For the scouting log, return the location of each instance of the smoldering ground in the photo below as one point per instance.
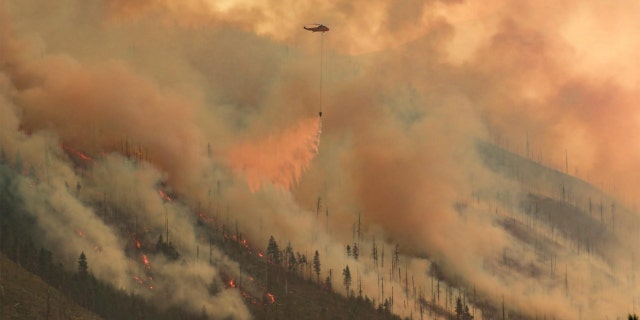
(213, 94)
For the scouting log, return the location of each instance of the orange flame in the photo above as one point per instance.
(80, 233)
(164, 195)
(204, 218)
(279, 159)
(249, 297)
(232, 283)
(270, 297)
(76, 152)
(145, 260)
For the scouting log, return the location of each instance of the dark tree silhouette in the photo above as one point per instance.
(356, 251)
(293, 263)
(273, 251)
(346, 278)
(288, 253)
(459, 309)
(316, 265)
(462, 310)
(327, 283)
(83, 266)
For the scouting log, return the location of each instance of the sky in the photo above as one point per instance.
(220, 101)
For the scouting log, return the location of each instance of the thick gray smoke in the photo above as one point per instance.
(223, 95)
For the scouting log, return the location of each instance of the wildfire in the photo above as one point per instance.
(249, 298)
(232, 283)
(164, 195)
(204, 218)
(145, 260)
(76, 152)
(80, 233)
(270, 298)
(137, 244)
(149, 279)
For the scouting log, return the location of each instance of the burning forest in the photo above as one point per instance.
(477, 160)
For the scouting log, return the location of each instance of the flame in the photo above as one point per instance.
(80, 233)
(145, 260)
(76, 152)
(164, 195)
(270, 297)
(204, 218)
(279, 159)
(232, 283)
(249, 297)
(138, 279)
(137, 244)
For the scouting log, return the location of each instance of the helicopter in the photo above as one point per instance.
(316, 28)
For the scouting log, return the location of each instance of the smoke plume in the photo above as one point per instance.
(215, 102)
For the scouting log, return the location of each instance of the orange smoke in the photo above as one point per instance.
(278, 159)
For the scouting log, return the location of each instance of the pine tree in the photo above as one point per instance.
(292, 262)
(467, 315)
(302, 261)
(83, 266)
(374, 253)
(459, 309)
(356, 251)
(316, 265)
(273, 252)
(346, 277)
(288, 252)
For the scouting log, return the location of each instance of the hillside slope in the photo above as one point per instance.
(24, 295)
